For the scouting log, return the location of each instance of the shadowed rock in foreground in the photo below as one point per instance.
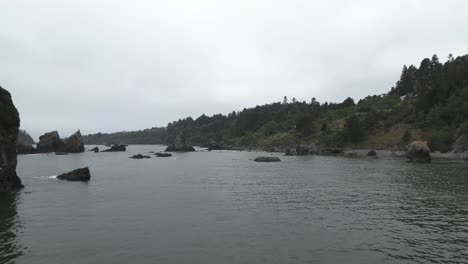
(116, 148)
(418, 151)
(267, 159)
(82, 174)
(181, 144)
(9, 124)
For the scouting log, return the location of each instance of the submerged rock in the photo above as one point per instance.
(82, 174)
(418, 151)
(116, 148)
(50, 142)
(74, 143)
(181, 144)
(9, 124)
(163, 155)
(60, 153)
(352, 155)
(139, 156)
(332, 152)
(267, 159)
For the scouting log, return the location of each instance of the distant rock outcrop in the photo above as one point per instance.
(50, 142)
(74, 143)
(267, 159)
(95, 149)
(116, 148)
(372, 153)
(24, 138)
(181, 144)
(24, 144)
(163, 155)
(418, 151)
(139, 156)
(9, 124)
(332, 152)
(82, 174)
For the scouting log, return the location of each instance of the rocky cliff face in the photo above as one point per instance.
(50, 142)
(74, 143)
(9, 124)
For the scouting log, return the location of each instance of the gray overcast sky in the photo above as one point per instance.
(112, 65)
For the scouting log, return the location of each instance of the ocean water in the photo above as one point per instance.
(221, 207)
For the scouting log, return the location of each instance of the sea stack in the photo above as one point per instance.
(9, 125)
(418, 151)
(181, 144)
(74, 143)
(50, 142)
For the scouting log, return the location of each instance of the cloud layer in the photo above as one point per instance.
(112, 65)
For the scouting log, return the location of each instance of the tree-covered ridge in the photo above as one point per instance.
(429, 102)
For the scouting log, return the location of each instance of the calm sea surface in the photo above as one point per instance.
(221, 207)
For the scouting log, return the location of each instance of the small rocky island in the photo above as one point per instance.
(82, 174)
(181, 143)
(9, 125)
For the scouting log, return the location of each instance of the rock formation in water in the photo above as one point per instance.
(372, 153)
(163, 155)
(24, 144)
(116, 148)
(82, 174)
(139, 156)
(267, 159)
(181, 143)
(9, 124)
(332, 152)
(95, 149)
(50, 142)
(74, 143)
(418, 151)
(24, 138)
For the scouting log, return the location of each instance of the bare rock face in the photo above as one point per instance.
(418, 151)
(9, 124)
(50, 142)
(181, 143)
(82, 174)
(74, 143)
(116, 148)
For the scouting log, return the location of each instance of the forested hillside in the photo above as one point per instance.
(429, 102)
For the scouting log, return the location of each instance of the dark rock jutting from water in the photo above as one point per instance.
(24, 144)
(332, 152)
(74, 143)
(139, 156)
(95, 149)
(418, 151)
(163, 155)
(267, 159)
(372, 153)
(50, 142)
(181, 144)
(116, 148)
(9, 125)
(82, 174)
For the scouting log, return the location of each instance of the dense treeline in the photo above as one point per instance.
(429, 102)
